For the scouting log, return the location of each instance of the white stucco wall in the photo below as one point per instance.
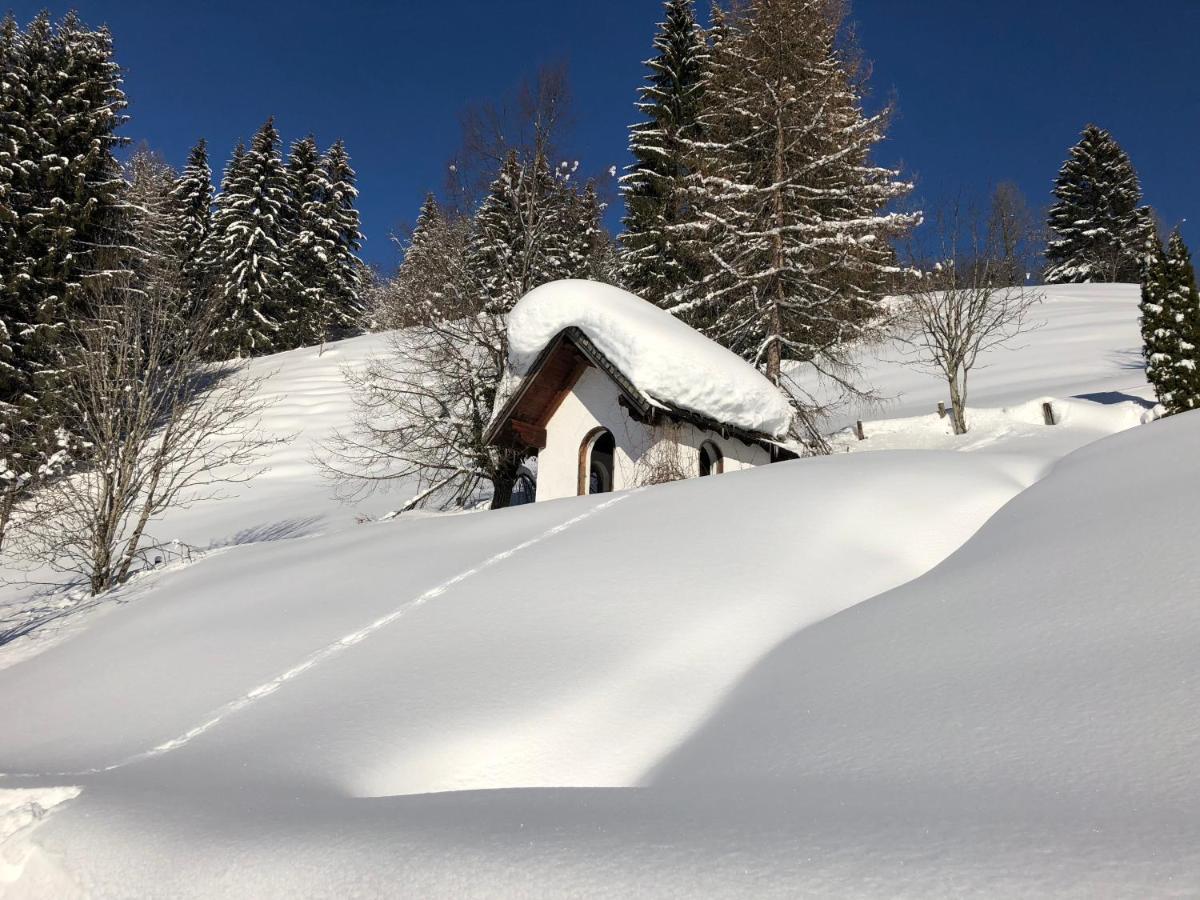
(641, 450)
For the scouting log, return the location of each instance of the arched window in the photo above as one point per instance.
(596, 462)
(712, 462)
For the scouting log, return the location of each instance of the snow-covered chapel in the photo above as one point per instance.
(610, 392)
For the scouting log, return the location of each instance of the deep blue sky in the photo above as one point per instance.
(986, 91)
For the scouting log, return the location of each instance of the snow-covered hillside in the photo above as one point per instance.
(919, 672)
(1086, 344)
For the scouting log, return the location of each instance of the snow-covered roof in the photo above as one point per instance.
(669, 363)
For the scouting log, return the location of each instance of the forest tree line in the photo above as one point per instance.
(91, 247)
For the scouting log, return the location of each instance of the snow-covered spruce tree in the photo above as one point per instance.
(1160, 337)
(601, 260)
(69, 191)
(12, 137)
(504, 236)
(654, 264)
(791, 205)
(1098, 224)
(429, 284)
(148, 214)
(248, 241)
(345, 274)
(192, 199)
(516, 241)
(310, 248)
(61, 106)
(1182, 307)
(211, 251)
(585, 248)
(13, 473)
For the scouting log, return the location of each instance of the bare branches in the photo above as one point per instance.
(961, 304)
(158, 427)
(421, 411)
(531, 121)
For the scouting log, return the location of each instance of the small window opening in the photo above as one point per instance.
(600, 470)
(596, 462)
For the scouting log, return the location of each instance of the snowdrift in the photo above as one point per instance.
(568, 643)
(1020, 720)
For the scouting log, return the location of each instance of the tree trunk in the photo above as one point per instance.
(774, 349)
(958, 398)
(502, 488)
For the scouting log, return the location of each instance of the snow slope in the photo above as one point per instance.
(1087, 346)
(898, 673)
(306, 399)
(1018, 721)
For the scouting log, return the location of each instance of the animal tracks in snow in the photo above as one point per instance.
(331, 650)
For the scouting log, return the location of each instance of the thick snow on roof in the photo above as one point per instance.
(670, 363)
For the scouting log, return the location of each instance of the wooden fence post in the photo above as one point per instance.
(941, 410)
(858, 429)
(1048, 414)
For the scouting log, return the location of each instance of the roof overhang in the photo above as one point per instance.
(521, 422)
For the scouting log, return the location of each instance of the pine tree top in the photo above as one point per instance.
(1179, 262)
(429, 215)
(1098, 221)
(266, 139)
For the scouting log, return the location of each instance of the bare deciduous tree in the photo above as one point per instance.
(421, 411)
(1016, 237)
(158, 426)
(531, 120)
(514, 220)
(959, 305)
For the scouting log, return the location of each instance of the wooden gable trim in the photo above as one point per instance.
(501, 423)
(531, 435)
(569, 385)
(504, 430)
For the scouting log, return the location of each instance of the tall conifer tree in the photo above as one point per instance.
(12, 136)
(310, 248)
(192, 199)
(1160, 338)
(497, 254)
(1171, 324)
(61, 201)
(525, 233)
(791, 204)
(1183, 307)
(248, 244)
(1098, 223)
(655, 265)
(345, 274)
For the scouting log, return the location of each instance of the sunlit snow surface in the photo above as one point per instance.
(906, 672)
